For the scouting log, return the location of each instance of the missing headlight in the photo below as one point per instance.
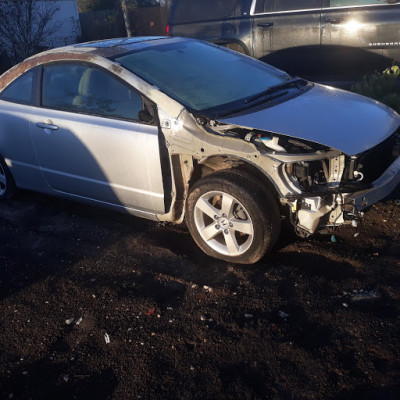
(310, 174)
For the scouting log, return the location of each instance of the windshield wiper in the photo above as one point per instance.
(296, 82)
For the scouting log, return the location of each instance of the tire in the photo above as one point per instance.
(7, 183)
(232, 217)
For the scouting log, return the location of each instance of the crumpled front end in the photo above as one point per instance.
(326, 188)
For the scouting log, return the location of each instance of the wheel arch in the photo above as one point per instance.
(233, 44)
(216, 163)
(187, 171)
(245, 188)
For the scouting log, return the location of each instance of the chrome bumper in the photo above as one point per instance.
(381, 188)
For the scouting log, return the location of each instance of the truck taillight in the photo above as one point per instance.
(167, 30)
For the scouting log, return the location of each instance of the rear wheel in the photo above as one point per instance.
(7, 184)
(231, 218)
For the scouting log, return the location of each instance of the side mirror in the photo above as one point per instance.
(145, 116)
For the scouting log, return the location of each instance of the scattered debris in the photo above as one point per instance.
(66, 378)
(375, 254)
(107, 338)
(345, 305)
(356, 234)
(333, 239)
(208, 288)
(248, 315)
(151, 311)
(78, 321)
(363, 295)
(69, 321)
(282, 314)
(24, 372)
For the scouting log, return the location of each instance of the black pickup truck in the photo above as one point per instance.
(304, 37)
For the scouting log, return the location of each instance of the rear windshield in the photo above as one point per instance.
(201, 76)
(197, 10)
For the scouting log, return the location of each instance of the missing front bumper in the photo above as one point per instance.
(380, 189)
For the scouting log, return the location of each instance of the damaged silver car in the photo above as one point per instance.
(175, 129)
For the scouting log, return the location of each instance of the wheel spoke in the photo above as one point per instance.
(231, 244)
(209, 232)
(242, 226)
(223, 223)
(207, 208)
(227, 205)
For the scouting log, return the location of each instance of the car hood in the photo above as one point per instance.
(345, 121)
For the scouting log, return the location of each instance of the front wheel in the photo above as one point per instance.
(7, 184)
(232, 218)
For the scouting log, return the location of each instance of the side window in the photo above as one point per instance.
(286, 5)
(89, 90)
(264, 6)
(196, 10)
(347, 3)
(21, 90)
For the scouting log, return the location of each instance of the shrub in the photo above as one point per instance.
(382, 86)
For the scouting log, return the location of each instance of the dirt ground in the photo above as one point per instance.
(100, 305)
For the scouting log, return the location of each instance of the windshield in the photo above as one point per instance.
(201, 76)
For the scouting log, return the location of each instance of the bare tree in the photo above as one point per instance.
(125, 13)
(165, 3)
(26, 27)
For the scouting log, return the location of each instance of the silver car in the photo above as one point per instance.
(175, 129)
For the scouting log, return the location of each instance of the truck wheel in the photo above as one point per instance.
(7, 184)
(231, 218)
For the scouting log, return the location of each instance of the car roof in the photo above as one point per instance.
(113, 47)
(89, 52)
(119, 41)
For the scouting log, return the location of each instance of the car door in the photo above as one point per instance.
(16, 103)
(89, 141)
(287, 33)
(360, 35)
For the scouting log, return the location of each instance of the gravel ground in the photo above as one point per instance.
(99, 305)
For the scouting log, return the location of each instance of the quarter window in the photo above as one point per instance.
(348, 3)
(20, 91)
(264, 6)
(87, 89)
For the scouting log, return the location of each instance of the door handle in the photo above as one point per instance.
(333, 21)
(47, 125)
(265, 25)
